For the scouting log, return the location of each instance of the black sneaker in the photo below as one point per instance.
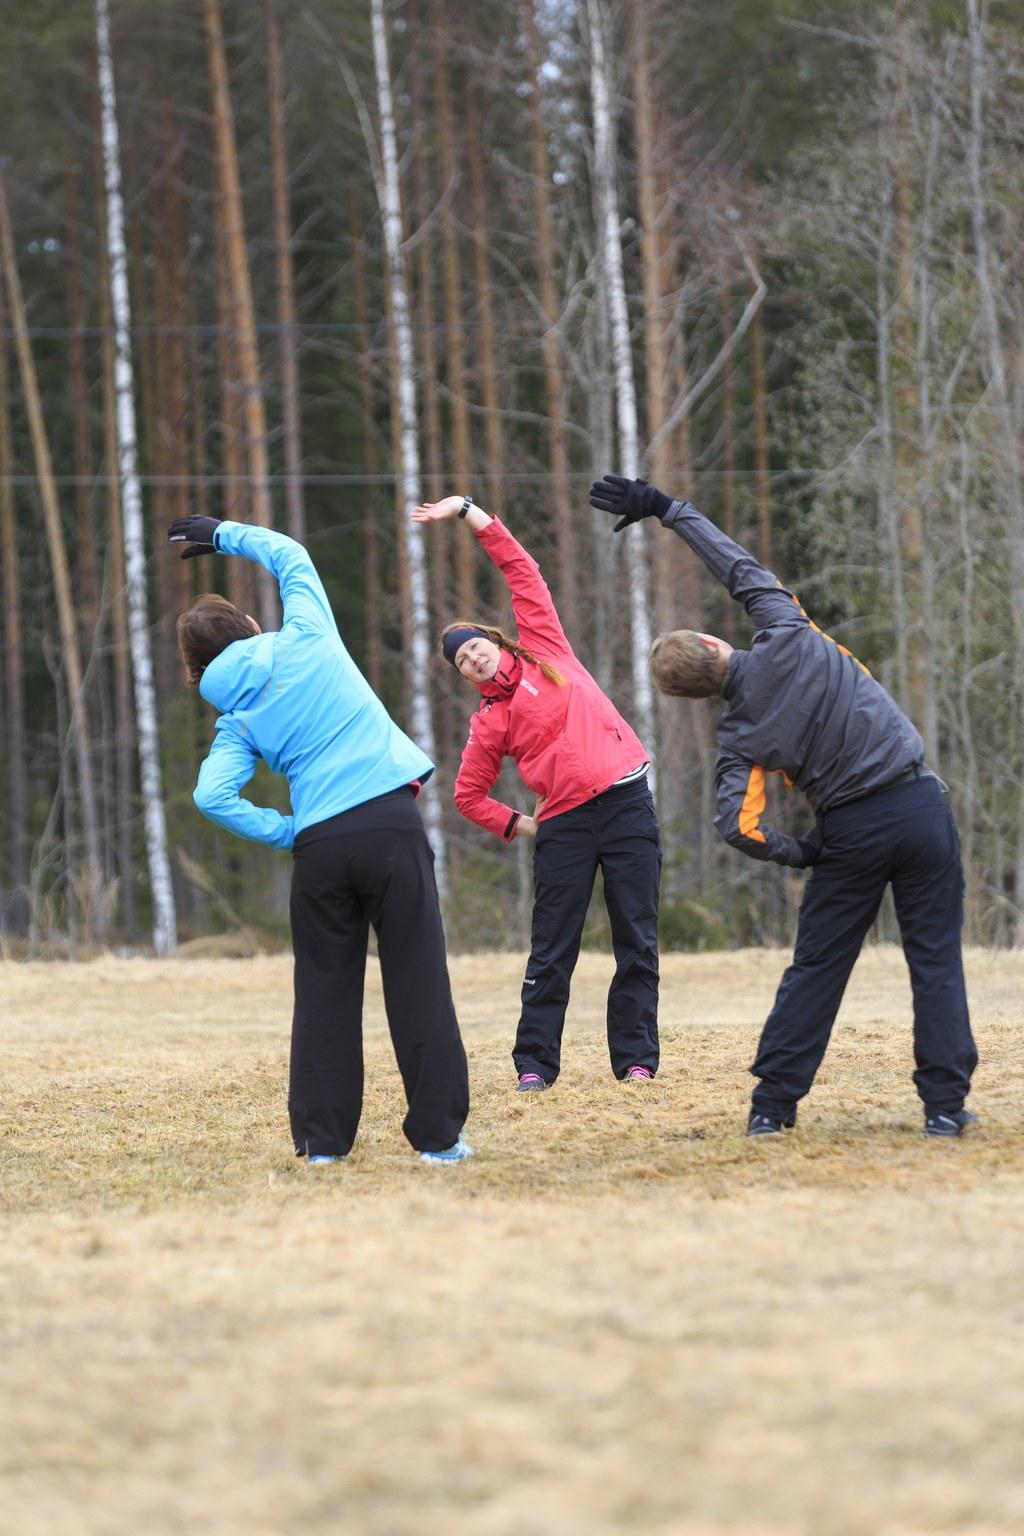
(761, 1124)
(948, 1125)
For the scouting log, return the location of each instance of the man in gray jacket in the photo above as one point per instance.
(799, 705)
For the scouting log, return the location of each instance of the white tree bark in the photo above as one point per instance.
(389, 193)
(165, 935)
(622, 359)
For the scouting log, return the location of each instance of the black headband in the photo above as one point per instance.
(458, 637)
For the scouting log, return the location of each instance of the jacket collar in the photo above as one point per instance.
(737, 661)
(505, 681)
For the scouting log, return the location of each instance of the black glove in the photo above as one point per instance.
(811, 846)
(628, 500)
(196, 532)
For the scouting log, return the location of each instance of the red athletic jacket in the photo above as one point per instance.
(569, 743)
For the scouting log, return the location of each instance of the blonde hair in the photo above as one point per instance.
(683, 665)
(506, 643)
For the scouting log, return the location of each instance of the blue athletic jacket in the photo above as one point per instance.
(297, 699)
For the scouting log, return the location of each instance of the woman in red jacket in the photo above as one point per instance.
(541, 707)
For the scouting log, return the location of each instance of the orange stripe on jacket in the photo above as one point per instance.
(752, 809)
(842, 649)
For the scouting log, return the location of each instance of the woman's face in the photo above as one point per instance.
(478, 659)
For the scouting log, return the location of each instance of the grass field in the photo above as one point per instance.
(621, 1316)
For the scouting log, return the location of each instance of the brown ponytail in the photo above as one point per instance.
(506, 643)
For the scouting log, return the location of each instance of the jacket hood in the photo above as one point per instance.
(241, 671)
(504, 681)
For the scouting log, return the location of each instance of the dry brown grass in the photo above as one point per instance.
(622, 1316)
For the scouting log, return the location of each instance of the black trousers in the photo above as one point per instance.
(372, 864)
(904, 835)
(618, 831)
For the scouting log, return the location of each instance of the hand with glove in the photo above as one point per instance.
(628, 500)
(196, 532)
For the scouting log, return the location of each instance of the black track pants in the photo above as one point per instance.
(372, 864)
(905, 835)
(617, 831)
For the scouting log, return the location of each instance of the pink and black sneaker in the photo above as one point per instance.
(530, 1082)
(638, 1075)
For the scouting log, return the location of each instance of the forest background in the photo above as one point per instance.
(306, 262)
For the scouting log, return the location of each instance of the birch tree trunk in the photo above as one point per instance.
(561, 489)
(243, 318)
(16, 915)
(285, 282)
(418, 641)
(164, 917)
(622, 358)
(117, 597)
(96, 922)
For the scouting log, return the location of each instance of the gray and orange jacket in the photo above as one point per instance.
(796, 704)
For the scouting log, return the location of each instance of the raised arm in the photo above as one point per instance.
(303, 599)
(532, 605)
(740, 805)
(766, 601)
(229, 766)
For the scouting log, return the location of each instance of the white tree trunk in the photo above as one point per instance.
(622, 358)
(165, 936)
(422, 719)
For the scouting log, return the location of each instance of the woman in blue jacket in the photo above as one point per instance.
(296, 699)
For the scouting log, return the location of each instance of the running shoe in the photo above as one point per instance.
(320, 1159)
(638, 1075)
(530, 1082)
(948, 1125)
(761, 1124)
(457, 1153)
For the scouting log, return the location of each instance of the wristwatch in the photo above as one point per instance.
(467, 502)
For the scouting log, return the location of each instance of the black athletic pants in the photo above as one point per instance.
(906, 835)
(372, 864)
(618, 831)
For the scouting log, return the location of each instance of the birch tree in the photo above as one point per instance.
(116, 585)
(614, 297)
(164, 916)
(389, 196)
